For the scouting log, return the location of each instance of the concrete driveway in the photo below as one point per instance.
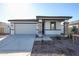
(17, 43)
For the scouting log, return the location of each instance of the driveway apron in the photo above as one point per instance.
(17, 43)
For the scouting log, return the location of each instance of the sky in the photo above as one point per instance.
(31, 10)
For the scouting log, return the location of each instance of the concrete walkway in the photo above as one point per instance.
(44, 38)
(17, 44)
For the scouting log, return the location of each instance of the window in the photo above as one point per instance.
(53, 25)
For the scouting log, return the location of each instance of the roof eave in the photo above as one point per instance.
(54, 17)
(22, 20)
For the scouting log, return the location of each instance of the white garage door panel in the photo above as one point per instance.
(25, 28)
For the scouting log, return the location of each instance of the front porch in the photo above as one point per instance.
(52, 25)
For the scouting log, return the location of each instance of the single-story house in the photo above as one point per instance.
(42, 25)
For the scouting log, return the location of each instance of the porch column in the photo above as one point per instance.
(66, 30)
(40, 34)
(78, 26)
(12, 29)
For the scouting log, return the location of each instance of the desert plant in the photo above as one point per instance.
(58, 37)
(42, 41)
(37, 36)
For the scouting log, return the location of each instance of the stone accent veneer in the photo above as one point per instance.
(40, 29)
(66, 28)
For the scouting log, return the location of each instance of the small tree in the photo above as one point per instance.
(74, 29)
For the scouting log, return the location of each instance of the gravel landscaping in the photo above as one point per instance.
(54, 47)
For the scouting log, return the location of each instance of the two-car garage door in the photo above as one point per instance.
(25, 28)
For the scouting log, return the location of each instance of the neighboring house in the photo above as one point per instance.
(4, 28)
(42, 25)
(74, 23)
